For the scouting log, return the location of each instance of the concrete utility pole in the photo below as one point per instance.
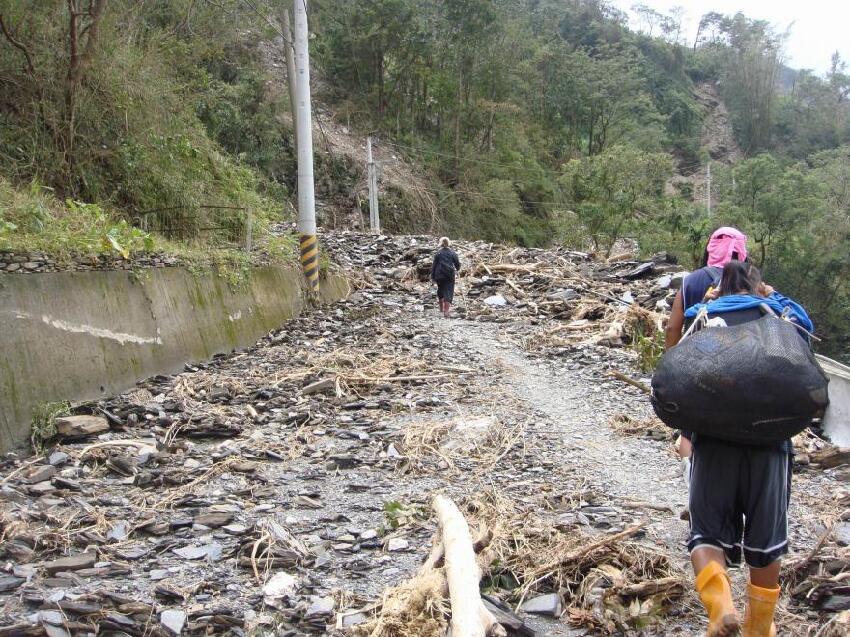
(372, 176)
(708, 189)
(304, 136)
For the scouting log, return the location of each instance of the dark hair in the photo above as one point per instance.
(739, 277)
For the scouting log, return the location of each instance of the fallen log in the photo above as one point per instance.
(470, 618)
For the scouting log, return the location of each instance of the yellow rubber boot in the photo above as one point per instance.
(714, 590)
(760, 608)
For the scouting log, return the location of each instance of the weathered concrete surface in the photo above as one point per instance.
(836, 421)
(82, 335)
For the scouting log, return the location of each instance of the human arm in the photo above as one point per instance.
(456, 261)
(675, 323)
(433, 268)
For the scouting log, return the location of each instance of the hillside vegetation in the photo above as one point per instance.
(531, 121)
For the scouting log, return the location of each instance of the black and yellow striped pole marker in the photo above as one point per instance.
(310, 259)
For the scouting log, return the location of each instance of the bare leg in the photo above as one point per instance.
(767, 577)
(705, 554)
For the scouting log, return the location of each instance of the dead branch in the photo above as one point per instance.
(630, 381)
(18, 45)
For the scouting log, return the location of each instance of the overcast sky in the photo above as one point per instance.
(818, 27)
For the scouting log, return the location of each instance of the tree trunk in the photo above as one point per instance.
(79, 61)
(291, 77)
(469, 616)
(458, 118)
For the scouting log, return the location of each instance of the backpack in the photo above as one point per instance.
(444, 269)
(755, 383)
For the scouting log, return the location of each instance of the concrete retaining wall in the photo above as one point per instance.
(83, 335)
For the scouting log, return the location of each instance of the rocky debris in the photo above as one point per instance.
(209, 491)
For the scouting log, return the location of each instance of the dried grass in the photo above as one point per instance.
(414, 608)
(642, 427)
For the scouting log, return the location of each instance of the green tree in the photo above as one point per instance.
(614, 189)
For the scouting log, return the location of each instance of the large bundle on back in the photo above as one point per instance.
(757, 382)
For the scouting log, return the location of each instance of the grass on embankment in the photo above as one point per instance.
(32, 220)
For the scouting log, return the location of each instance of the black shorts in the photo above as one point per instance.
(739, 500)
(446, 289)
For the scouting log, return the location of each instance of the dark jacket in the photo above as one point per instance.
(445, 264)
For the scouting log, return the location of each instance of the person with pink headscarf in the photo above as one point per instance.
(726, 244)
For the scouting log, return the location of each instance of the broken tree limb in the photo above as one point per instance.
(520, 294)
(584, 551)
(630, 381)
(469, 616)
(143, 447)
(652, 587)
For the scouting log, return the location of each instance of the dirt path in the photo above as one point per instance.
(579, 407)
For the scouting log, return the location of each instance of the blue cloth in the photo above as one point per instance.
(736, 302)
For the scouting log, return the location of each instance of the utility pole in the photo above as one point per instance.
(304, 136)
(372, 177)
(708, 189)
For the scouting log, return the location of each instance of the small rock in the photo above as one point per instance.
(279, 586)
(119, 531)
(235, 529)
(210, 551)
(353, 619)
(319, 386)
(842, 533)
(369, 534)
(10, 583)
(73, 426)
(321, 606)
(58, 458)
(549, 604)
(173, 620)
(497, 300)
(158, 574)
(397, 544)
(39, 473)
(214, 520)
(72, 563)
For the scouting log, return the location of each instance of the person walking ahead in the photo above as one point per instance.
(443, 271)
(725, 244)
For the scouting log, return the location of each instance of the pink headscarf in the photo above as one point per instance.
(723, 243)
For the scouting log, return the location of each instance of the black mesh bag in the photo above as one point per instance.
(757, 382)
